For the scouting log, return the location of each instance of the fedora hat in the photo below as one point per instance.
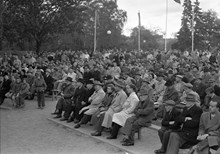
(179, 76)
(80, 80)
(189, 85)
(69, 79)
(90, 81)
(169, 103)
(119, 83)
(98, 83)
(190, 97)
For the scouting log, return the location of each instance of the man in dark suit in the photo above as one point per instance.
(144, 114)
(209, 129)
(138, 80)
(6, 85)
(168, 125)
(49, 81)
(189, 120)
(66, 95)
(80, 99)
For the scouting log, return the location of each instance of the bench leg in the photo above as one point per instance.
(139, 133)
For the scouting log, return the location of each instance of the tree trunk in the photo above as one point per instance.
(38, 46)
(1, 24)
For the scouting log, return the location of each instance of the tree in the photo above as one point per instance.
(38, 20)
(148, 38)
(110, 18)
(198, 25)
(1, 23)
(184, 34)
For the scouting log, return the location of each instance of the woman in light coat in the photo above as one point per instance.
(129, 106)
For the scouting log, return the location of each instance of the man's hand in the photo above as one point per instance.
(83, 103)
(171, 122)
(188, 118)
(202, 137)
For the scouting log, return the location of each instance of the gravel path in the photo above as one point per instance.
(27, 131)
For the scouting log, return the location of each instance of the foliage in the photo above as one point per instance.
(206, 28)
(149, 39)
(40, 21)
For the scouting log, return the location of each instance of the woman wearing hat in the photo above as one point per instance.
(128, 107)
(40, 86)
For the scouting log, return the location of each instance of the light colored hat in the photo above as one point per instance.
(169, 103)
(189, 85)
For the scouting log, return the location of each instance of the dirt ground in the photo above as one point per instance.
(27, 131)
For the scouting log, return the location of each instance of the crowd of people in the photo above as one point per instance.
(116, 89)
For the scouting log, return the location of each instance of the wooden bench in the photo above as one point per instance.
(54, 94)
(148, 125)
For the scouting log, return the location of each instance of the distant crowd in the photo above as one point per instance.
(116, 89)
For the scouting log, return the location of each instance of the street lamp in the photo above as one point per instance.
(109, 32)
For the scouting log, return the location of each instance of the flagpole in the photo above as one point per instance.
(95, 31)
(165, 39)
(139, 32)
(193, 30)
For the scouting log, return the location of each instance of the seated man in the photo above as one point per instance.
(168, 125)
(209, 129)
(105, 120)
(67, 93)
(95, 100)
(5, 87)
(106, 102)
(144, 114)
(189, 119)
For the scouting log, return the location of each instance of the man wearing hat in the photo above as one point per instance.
(98, 117)
(187, 88)
(200, 88)
(179, 84)
(138, 80)
(40, 86)
(159, 88)
(169, 94)
(64, 102)
(94, 101)
(79, 100)
(116, 104)
(189, 120)
(49, 81)
(6, 85)
(168, 125)
(143, 115)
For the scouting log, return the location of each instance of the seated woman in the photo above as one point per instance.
(120, 118)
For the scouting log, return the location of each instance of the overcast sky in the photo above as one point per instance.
(153, 13)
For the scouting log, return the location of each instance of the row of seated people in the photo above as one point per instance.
(116, 105)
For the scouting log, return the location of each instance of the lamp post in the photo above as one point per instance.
(193, 29)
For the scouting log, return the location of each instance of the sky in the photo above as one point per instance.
(153, 14)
